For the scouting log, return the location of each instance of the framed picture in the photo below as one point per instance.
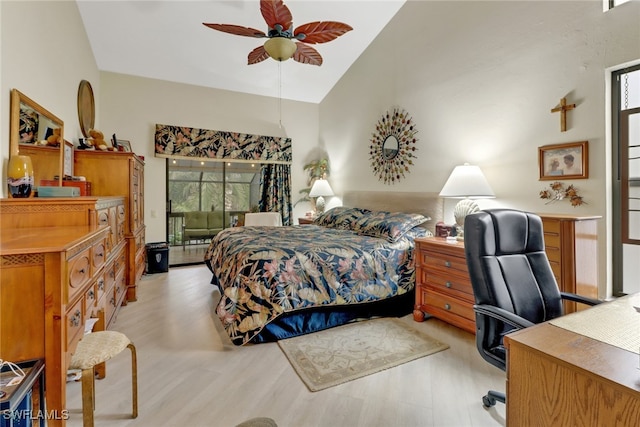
(564, 161)
(123, 145)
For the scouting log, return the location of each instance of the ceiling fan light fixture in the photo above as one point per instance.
(280, 48)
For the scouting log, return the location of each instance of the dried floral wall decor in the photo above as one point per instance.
(557, 191)
(393, 146)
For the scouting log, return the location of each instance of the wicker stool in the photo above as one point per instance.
(96, 348)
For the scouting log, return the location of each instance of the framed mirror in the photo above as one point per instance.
(38, 133)
(393, 146)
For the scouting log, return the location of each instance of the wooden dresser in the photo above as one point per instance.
(571, 243)
(120, 174)
(67, 251)
(443, 287)
(49, 277)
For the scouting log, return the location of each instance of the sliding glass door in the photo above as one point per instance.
(230, 188)
(626, 182)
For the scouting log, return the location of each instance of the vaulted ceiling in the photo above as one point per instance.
(166, 40)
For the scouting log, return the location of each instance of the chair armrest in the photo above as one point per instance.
(503, 315)
(578, 298)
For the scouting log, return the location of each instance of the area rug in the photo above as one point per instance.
(334, 356)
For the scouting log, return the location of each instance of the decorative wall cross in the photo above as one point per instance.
(563, 108)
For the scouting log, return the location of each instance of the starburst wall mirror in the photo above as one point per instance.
(393, 146)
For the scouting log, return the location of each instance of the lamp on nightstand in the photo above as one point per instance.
(320, 189)
(466, 182)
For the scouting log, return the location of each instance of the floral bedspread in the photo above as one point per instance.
(263, 272)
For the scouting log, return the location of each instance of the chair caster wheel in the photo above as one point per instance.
(488, 401)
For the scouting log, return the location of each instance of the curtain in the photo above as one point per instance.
(180, 141)
(275, 190)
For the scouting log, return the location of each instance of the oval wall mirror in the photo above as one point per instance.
(38, 133)
(390, 147)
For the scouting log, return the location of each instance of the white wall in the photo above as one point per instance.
(48, 63)
(45, 55)
(131, 107)
(480, 79)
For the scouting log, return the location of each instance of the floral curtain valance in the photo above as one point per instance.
(180, 141)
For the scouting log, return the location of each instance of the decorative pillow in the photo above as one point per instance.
(387, 225)
(340, 217)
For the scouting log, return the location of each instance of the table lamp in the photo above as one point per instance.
(466, 182)
(320, 189)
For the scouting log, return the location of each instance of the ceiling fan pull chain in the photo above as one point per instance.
(280, 93)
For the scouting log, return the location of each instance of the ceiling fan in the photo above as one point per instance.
(281, 34)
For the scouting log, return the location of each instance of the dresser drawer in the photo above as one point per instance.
(552, 240)
(100, 286)
(120, 223)
(99, 255)
(120, 262)
(79, 272)
(443, 262)
(90, 300)
(75, 324)
(437, 303)
(458, 287)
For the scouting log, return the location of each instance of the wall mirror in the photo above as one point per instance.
(30, 124)
(390, 147)
(393, 146)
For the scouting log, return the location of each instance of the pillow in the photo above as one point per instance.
(340, 217)
(387, 225)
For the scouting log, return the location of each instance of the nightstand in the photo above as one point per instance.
(305, 221)
(443, 286)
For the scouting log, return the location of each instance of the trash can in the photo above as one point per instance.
(157, 257)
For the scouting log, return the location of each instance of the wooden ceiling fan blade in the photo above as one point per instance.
(237, 30)
(275, 12)
(257, 55)
(321, 31)
(305, 54)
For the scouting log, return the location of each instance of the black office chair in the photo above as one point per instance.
(512, 281)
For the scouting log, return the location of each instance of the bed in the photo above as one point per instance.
(279, 282)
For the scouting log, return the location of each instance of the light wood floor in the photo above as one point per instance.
(190, 374)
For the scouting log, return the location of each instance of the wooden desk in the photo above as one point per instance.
(556, 377)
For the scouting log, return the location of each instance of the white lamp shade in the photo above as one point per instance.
(321, 188)
(467, 181)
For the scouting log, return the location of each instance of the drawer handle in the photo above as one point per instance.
(82, 271)
(447, 284)
(75, 320)
(447, 307)
(91, 294)
(113, 301)
(101, 285)
(100, 254)
(447, 263)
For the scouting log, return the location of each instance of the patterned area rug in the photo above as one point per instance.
(334, 356)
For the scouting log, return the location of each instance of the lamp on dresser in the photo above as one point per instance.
(320, 189)
(466, 182)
